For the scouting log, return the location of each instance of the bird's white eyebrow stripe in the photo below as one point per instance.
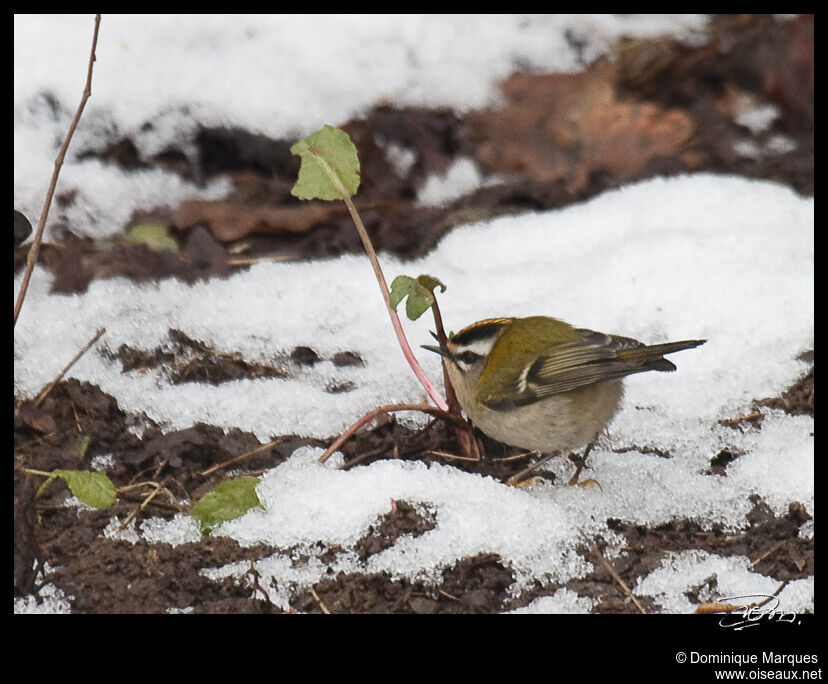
(481, 347)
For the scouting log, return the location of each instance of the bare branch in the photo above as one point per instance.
(51, 385)
(34, 250)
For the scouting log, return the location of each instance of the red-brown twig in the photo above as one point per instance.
(368, 417)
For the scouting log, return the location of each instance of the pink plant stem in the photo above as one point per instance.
(435, 395)
(368, 417)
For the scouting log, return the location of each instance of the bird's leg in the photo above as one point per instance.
(579, 463)
(517, 479)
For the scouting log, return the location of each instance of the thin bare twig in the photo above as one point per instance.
(447, 595)
(31, 258)
(715, 607)
(451, 457)
(126, 489)
(362, 457)
(514, 457)
(773, 595)
(615, 575)
(256, 258)
(143, 505)
(767, 553)
(255, 583)
(51, 385)
(238, 458)
(319, 602)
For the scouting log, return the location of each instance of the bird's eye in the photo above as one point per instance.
(467, 358)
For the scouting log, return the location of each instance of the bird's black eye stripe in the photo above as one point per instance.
(475, 333)
(467, 357)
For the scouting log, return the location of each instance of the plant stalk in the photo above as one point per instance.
(435, 395)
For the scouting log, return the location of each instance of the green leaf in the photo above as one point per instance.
(419, 292)
(329, 167)
(430, 282)
(153, 235)
(94, 489)
(226, 501)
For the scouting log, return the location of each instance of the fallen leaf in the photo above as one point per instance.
(571, 126)
(228, 220)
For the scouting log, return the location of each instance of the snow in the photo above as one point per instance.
(717, 257)
(734, 580)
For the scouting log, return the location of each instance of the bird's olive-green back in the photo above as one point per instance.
(517, 348)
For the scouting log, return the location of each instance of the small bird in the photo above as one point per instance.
(540, 384)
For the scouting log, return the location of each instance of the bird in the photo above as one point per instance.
(540, 384)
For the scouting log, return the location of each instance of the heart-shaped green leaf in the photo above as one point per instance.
(329, 167)
(419, 291)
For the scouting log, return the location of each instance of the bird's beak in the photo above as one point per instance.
(441, 350)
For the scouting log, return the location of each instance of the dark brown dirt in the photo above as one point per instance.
(108, 576)
(678, 100)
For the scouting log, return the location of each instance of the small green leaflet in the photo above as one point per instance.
(329, 162)
(419, 292)
(94, 489)
(226, 501)
(153, 235)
